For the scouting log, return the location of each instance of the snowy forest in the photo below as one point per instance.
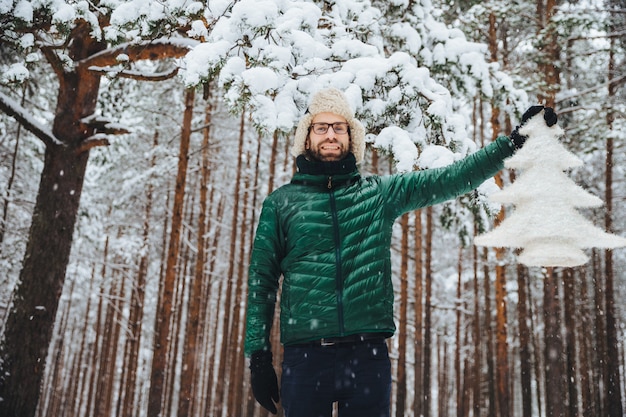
(139, 138)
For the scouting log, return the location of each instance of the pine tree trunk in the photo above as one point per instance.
(571, 318)
(189, 373)
(600, 366)
(613, 386)
(230, 310)
(28, 329)
(237, 371)
(502, 360)
(491, 390)
(460, 306)
(553, 349)
(164, 308)
(524, 341)
(419, 317)
(402, 321)
(135, 321)
(585, 351)
(477, 337)
(427, 397)
(537, 362)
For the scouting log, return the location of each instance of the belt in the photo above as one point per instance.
(345, 340)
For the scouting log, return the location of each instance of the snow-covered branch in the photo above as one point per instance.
(19, 113)
(146, 50)
(137, 75)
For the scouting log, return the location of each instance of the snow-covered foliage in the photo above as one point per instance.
(398, 64)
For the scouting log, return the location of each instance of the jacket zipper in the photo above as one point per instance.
(339, 275)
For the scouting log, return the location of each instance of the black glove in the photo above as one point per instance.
(263, 379)
(548, 115)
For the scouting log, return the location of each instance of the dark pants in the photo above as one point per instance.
(356, 375)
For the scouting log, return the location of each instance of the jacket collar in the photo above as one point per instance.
(328, 174)
(345, 166)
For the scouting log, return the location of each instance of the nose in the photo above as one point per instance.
(333, 134)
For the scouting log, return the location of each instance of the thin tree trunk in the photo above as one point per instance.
(491, 390)
(248, 397)
(537, 362)
(237, 371)
(502, 360)
(571, 319)
(419, 317)
(477, 337)
(9, 186)
(524, 341)
(212, 316)
(190, 354)
(585, 351)
(613, 386)
(460, 306)
(427, 398)
(181, 297)
(600, 368)
(129, 408)
(229, 309)
(402, 321)
(85, 351)
(164, 309)
(553, 350)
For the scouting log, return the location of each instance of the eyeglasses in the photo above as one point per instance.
(340, 128)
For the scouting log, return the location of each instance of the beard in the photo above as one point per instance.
(316, 154)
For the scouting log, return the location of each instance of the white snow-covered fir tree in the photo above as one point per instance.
(546, 224)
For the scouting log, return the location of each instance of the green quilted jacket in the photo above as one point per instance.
(329, 237)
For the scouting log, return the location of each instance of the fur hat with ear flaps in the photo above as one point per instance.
(334, 101)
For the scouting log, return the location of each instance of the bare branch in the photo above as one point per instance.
(92, 142)
(614, 82)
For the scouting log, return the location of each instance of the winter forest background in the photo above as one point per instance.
(139, 138)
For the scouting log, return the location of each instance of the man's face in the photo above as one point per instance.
(330, 145)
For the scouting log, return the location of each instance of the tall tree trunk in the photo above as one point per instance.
(427, 398)
(229, 309)
(571, 320)
(524, 341)
(181, 302)
(85, 350)
(401, 368)
(190, 353)
(600, 366)
(477, 337)
(30, 322)
(135, 321)
(237, 371)
(502, 359)
(584, 342)
(613, 385)
(491, 390)
(419, 317)
(553, 349)
(164, 309)
(537, 362)
(478, 120)
(460, 306)
(28, 330)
